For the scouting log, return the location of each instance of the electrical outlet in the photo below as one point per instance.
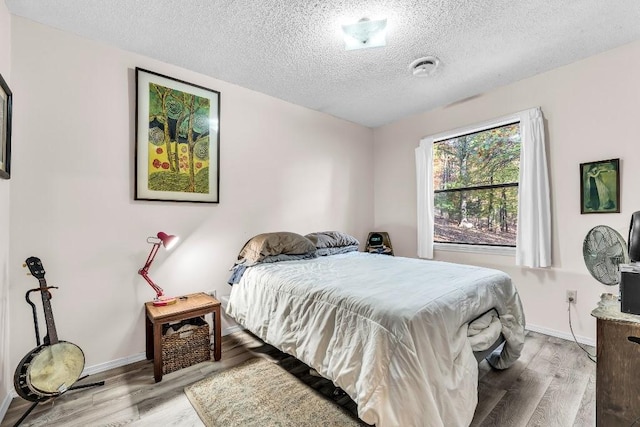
(572, 296)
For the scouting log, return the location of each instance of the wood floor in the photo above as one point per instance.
(552, 384)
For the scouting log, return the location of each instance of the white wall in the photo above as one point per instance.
(5, 367)
(591, 109)
(283, 167)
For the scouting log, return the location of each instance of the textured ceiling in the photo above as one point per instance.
(293, 50)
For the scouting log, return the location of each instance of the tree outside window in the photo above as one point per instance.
(475, 179)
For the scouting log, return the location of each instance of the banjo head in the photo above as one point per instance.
(55, 368)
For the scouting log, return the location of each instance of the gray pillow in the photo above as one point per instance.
(332, 239)
(336, 251)
(283, 257)
(270, 244)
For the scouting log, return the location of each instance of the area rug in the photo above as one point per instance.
(260, 393)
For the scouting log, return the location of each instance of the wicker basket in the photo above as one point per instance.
(184, 344)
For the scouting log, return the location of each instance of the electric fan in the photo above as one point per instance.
(604, 250)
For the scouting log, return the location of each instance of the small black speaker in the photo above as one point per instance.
(630, 292)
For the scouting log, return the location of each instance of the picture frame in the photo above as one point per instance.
(6, 109)
(177, 140)
(600, 187)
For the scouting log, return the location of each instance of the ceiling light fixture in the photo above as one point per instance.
(365, 34)
(425, 66)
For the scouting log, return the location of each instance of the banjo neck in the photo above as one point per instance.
(48, 313)
(37, 270)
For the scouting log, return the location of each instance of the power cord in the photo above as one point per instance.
(591, 357)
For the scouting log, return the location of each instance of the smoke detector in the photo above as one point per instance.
(425, 66)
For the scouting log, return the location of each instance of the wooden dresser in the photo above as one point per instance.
(618, 369)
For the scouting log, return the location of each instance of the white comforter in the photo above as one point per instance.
(390, 331)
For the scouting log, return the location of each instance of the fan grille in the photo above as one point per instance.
(603, 250)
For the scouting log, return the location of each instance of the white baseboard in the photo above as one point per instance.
(559, 334)
(101, 367)
(5, 405)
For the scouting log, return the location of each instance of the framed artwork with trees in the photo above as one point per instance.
(600, 187)
(177, 140)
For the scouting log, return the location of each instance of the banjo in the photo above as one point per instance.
(53, 367)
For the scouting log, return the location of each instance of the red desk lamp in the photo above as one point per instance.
(168, 241)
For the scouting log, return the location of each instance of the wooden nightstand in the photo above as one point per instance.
(617, 372)
(187, 307)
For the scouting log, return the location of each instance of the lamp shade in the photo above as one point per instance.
(168, 240)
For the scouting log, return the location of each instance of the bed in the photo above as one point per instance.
(394, 333)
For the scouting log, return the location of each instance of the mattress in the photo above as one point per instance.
(392, 332)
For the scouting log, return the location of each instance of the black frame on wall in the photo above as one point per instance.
(177, 157)
(600, 187)
(6, 100)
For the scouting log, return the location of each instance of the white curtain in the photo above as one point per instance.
(424, 181)
(533, 242)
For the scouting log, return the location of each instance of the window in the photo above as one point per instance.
(481, 169)
(475, 186)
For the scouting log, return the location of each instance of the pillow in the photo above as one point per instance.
(336, 251)
(332, 239)
(283, 257)
(271, 244)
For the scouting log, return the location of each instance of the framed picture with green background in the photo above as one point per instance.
(600, 187)
(177, 140)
